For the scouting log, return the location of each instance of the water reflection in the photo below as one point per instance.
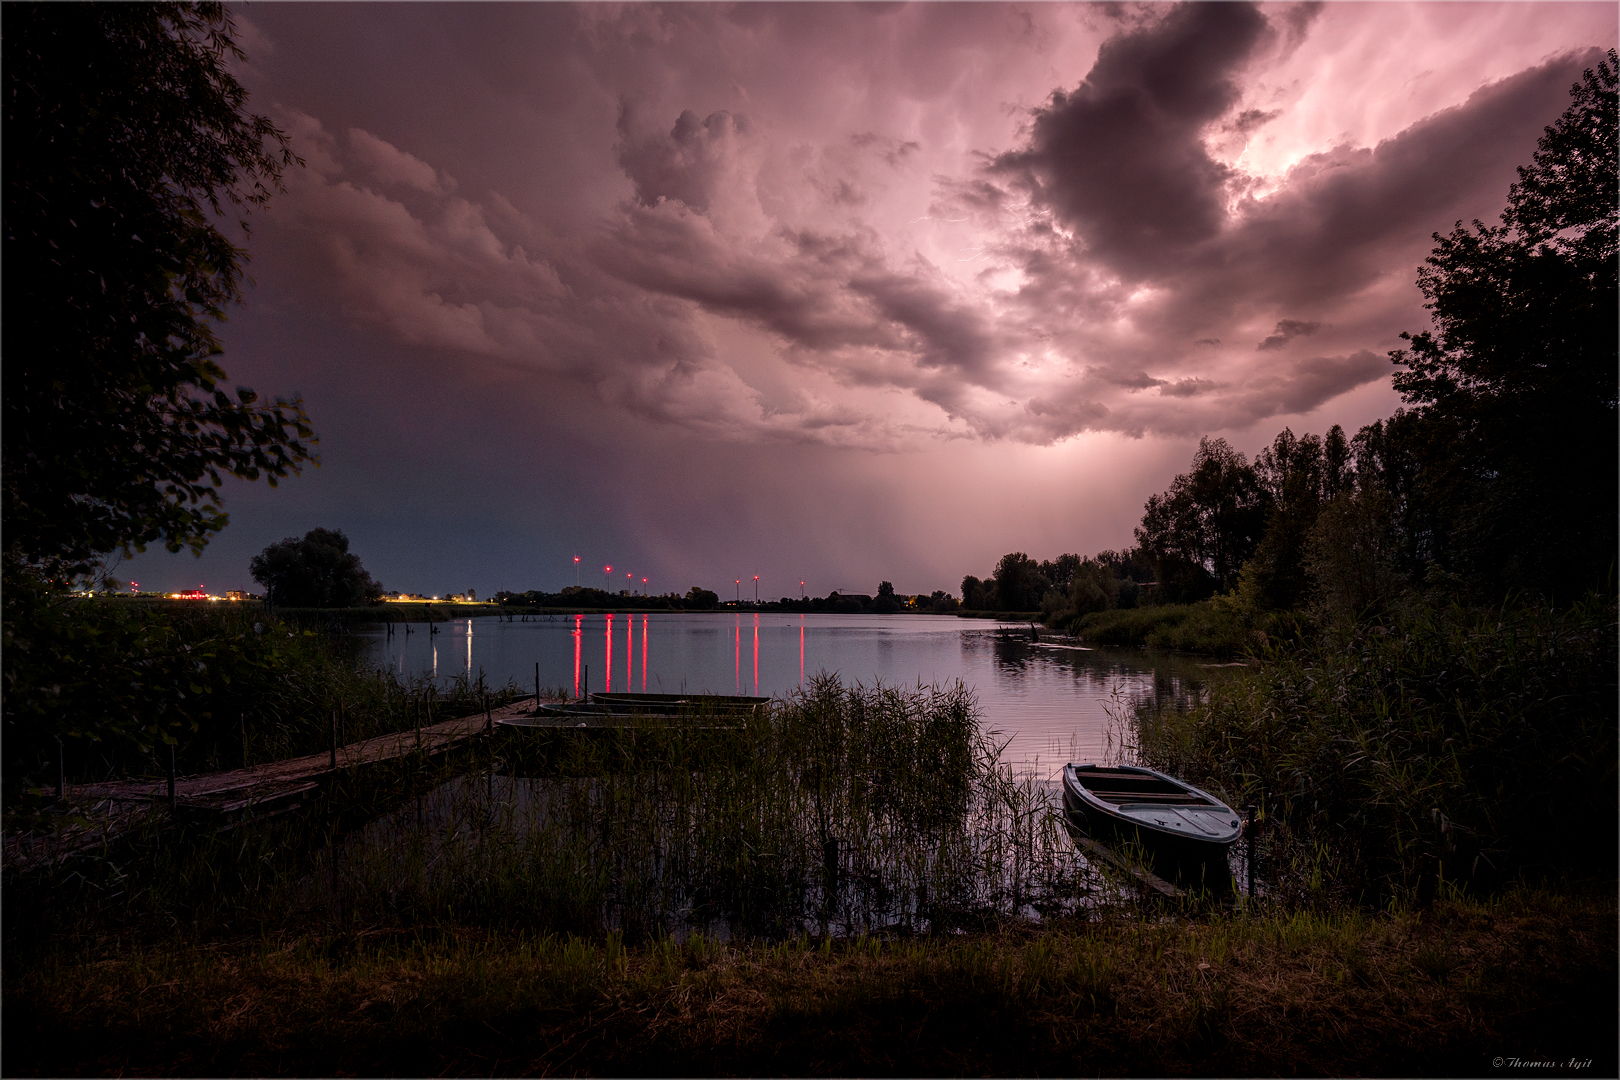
(1050, 702)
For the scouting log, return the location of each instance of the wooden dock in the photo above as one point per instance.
(95, 814)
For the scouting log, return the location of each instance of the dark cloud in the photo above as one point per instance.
(1303, 385)
(1120, 159)
(1287, 330)
(1187, 387)
(687, 163)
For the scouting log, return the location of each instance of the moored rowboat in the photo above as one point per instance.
(1185, 832)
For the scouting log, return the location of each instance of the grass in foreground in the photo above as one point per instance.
(1442, 991)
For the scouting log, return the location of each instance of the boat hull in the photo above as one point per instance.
(1182, 833)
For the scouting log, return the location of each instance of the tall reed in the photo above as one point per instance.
(1452, 745)
(844, 810)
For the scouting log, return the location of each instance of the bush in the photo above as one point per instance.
(1474, 744)
(1216, 627)
(118, 681)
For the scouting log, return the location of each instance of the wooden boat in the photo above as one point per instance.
(727, 704)
(1182, 831)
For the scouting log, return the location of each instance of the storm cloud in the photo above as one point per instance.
(856, 241)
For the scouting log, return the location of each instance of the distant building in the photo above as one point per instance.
(235, 594)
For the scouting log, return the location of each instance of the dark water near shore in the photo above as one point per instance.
(1051, 702)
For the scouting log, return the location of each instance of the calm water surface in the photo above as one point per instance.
(1051, 703)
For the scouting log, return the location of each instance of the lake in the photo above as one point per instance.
(1051, 701)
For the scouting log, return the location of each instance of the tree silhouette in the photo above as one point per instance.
(1202, 531)
(1515, 384)
(126, 138)
(316, 571)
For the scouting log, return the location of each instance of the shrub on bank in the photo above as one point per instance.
(1459, 745)
(118, 683)
(1216, 627)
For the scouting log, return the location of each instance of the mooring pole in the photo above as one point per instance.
(244, 741)
(334, 739)
(1248, 835)
(489, 718)
(537, 686)
(171, 778)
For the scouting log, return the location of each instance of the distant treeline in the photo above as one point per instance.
(885, 602)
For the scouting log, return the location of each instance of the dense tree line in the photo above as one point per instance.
(1498, 476)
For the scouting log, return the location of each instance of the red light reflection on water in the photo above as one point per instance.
(629, 651)
(579, 640)
(801, 649)
(738, 658)
(607, 676)
(644, 654)
(756, 654)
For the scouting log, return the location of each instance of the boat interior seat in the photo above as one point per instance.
(1179, 798)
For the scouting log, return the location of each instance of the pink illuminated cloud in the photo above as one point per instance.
(869, 227)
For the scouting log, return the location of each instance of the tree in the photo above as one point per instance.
(700, 599)
(886, 603)
(1515, 383)
(317, 571)
(126, 139)
(1202, 531)
(1300, 476)
(1019, 584)
(979, 595)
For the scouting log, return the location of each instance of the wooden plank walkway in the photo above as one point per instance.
(95, 814)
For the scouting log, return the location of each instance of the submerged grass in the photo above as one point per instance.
(1444, 991)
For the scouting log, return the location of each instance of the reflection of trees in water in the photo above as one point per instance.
(1163, 680)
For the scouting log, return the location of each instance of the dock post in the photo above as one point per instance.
(244, 741)
(334, 738)
(1249, 838)
(61, 767)
(171, 778)
(489, 718)
(537, 687)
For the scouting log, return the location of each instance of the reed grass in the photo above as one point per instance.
(851, 808)
(121, 682)
(844, 810)
(1214, 627)
(1452, 745)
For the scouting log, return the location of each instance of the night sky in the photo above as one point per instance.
(838, 294)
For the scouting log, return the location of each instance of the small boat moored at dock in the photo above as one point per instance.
(729, 704)
(1184, 832)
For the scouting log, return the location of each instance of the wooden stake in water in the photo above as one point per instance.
(244, 741)
(489, 718)
(537, 686)
(1250, 837)
(334, 738)
(171, 778)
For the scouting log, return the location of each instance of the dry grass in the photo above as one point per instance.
(1441, 991)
